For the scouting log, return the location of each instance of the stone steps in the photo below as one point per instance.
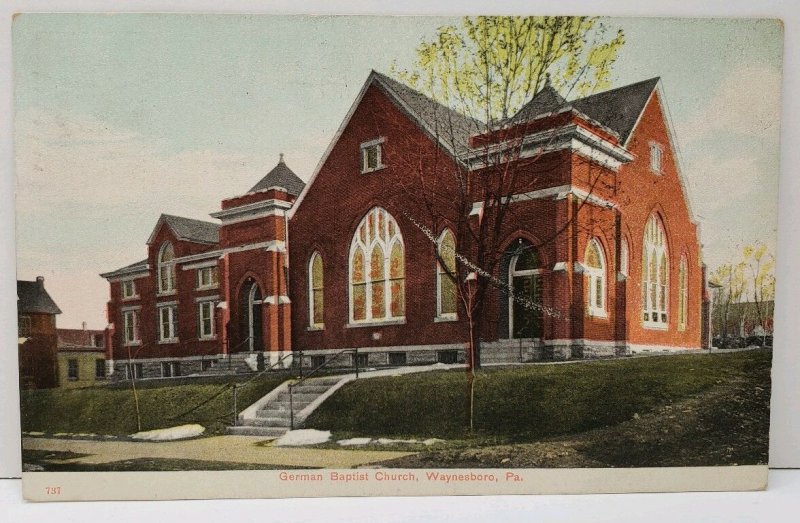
(274, 418)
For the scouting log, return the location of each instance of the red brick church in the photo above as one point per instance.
(603, 234)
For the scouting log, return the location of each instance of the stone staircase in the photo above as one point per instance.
(271, 415)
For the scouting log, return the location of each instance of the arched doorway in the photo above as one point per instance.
(251, 316)
(525, 318)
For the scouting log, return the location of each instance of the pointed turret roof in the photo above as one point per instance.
(280, 176)
(546, 100)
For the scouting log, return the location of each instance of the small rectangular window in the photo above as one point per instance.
(130, 321)
(24, 326)
(397, 358)
(317, 361)
(133, 371)
(167, 323)
(72, 370)
(128, 289)
(205, 318)
(372, 155)
(656, 154)
(448, 357)
(100, 369)
(207, 277)
(170, 369)
(361, 360)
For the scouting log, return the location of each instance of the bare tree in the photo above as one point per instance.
(484, 75)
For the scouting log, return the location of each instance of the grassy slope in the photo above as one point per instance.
(525, 404)
(102, 410)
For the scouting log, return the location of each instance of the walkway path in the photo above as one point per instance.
(237, 449)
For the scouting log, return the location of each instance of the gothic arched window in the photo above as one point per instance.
(377, 269)
(655, 269)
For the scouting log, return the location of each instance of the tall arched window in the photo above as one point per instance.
(524, 302)
(683, 296)
(377, 269)
(624, 253)
(166, 268)
(595, 278)
(446, 304)
(316, 316)
(655, 269)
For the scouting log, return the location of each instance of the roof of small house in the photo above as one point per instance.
(33, 298)
(280, 176)
(80, 338)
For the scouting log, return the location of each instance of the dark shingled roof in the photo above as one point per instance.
(192, 230)
(33, 298)
(280, 176)
(547, 100)
(617, 109)
(452, 127)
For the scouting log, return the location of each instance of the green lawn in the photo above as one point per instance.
(111, 410)
(526, 404)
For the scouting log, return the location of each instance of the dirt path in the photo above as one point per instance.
(238, 449)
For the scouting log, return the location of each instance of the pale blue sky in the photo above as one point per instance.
(122, 117)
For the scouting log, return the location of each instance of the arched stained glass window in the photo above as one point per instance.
(655, 274)
(316, 316)
(595, 278)
(377, 269)
(446, 304)
(166, 268)
(683, 297)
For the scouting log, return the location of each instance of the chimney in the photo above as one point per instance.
(83, 325)
(40, 281)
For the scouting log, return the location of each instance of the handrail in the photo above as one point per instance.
(314, 371)
(252, 378)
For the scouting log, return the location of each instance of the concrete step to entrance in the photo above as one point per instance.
(275, 413)
(251, 430)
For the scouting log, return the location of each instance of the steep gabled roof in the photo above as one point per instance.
(188, 229)
(280, 176)
(444, 123)
(618, 109)
(33, 298)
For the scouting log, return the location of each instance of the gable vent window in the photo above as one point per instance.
(656, 158)
(372, 155)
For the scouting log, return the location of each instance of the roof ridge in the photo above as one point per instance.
(607, 91)
(383, 76)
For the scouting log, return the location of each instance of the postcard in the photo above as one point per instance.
(298, 256)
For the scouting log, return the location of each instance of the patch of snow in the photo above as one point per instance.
(171, 433)
(61, 434)
(296, 438)
(432, 441)
(354, 441)
(34, 433)
(31, 467)
(387, 441)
